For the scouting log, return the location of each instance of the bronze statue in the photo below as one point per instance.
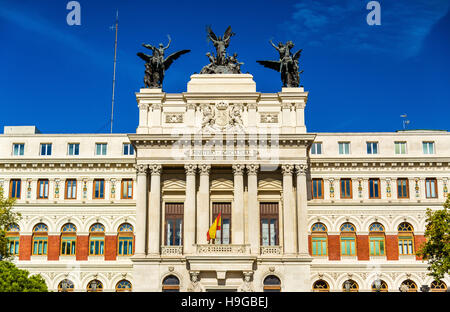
(156, 64)
(287, 65)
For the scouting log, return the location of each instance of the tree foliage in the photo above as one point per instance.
(436, 250)
(13, 279)
(7, 217)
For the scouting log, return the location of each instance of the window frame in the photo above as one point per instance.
(101, 144)
(428, 144)
(400, 187)
(371, 144)
(46, 145)
(405, 236)
(16, 189)
(343, 144)
(74, 154)
(39, 236)
(216, 208)
(350, 188)
(434, 180)
(131, 150)
(319, 235)
(98, 236)
(314, 148)
(122, 184)
(73, 183)
(400, 143)
(70, 236)
(345, 236)
(377, 237)
(378, 188)
(100, 192)
(39, 186)
(272, 215)
(173, 212)
(321, 188)
(21, 150)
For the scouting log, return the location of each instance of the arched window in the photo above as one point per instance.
(405, 239)
(125, 240)
(321, 286)
(13, 236)
(96, 239)
(382, 286)
(123, 285)
(376, 239)
(68, 239)
(272, 284)
(95, 286)
(438, 286)
(40, 239)
(350, 286)
(171, 283)
(66, 286)
(348, 239)
(408, 286)
(319, 239)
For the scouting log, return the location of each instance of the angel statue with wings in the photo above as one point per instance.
(156, 64)
(287, 65)
(221, 44)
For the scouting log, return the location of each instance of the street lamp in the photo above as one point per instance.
(347, 286)
(94, 285)
(64, 286)
(377, 284)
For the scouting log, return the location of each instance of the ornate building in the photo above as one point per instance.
(300, 211)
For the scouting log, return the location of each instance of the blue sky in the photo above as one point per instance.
(359, 77)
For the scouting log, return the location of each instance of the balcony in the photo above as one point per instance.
(271, 250)
(209, 249)
(171, 251)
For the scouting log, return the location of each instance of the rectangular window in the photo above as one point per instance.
(174, 224)
(405, 245)
(431, 188)
(344, 148)
(400, 147)
(46, 149)
(15, 188)
(374, 188)
(73, 149)
(372, 147)
(376, 245)
(68, 245)
(127, 189)
(402, 188)
(13, 245)
(128, 149)
(101, 149)
(316, 148)
(96, 245)
(269, 224)
(125, 247)
(346, 188)
(40, 245)
(319, 245)
(223, 236)
(42, 189)
(71, 189)
(18, 149)
(428, 147)
(99, 189)
(348, 245)
(317, 188)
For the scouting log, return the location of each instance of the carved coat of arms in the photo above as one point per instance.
(222, 116)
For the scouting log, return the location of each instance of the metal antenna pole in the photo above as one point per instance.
(114, 74)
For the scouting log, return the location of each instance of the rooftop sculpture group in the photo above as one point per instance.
(221, 62)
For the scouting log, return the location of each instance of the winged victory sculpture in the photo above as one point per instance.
(156, 65)
(287, 65)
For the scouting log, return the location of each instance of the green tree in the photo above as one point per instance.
(7, 217)
(13, 279)
(436, 250)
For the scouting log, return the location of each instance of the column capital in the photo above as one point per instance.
(204, 169)
(238, 169)
(155, 169)
(191, 169)
(141, 169)
(301, 169)
(143, 106)
(252, 169)
(287, 169)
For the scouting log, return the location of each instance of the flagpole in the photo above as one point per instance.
(114, 73)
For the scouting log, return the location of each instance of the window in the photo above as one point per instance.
(374, 188)
(42, 189)
(171, 283)
(13, 237)
(128, 149)
(223, 236)
(123, 285)
(400, 147)
(317, 188)
(408, 286)
(272, 284)
(46, 149)
(99, 189)
(405, 239)
(319, 239)
(348, 240)
(95, 286)
(269, 224)
(14, 188)
(376, 239)
(346, 188)
(73, 149)
(350, 286)
(66, 286)
(127, 188)
(40, 238)
(71, 189)
(96, 239)
(438, 286)
(321, 286)
(372, 148)
(431, 188)
(344, 148)
(68, 239)
(100, 149)
(402, 188)
(174, 224)
(125, 240)
(18, 149)
(383, 286)
(428, 147)
(316, 148)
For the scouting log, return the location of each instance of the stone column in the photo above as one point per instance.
(203, 204)
(189, 210)
(141, 209)
(288, 211)
(154, 211)
(253, 208)
(237, 211)
(302, 210)
(143, 118)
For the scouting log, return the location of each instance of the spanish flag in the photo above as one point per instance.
(211, 234)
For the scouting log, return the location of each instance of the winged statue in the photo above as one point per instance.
(156, 65)
(287, 65)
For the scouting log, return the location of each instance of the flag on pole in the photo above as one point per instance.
(211, 234)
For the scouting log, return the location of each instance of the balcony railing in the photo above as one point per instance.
(271, 250)
(222, 249)
(171, 250)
